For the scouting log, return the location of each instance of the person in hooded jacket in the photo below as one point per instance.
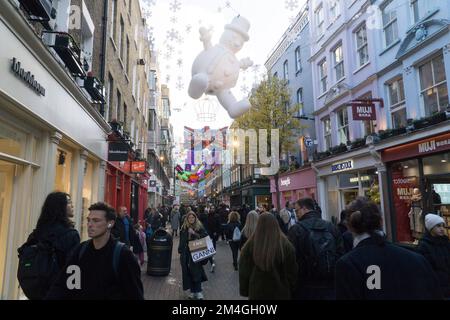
(378, 270)
(435, 247)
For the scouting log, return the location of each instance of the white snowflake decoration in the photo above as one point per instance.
(219, 10)
(244, 89)
(174, 20)
(180, 40)
(188, 28)
(170, 49)
(167, 78)
(172, 34)
(228, 4)
(180, 62)
(175, 6)
(291, 4)
(167, 55)
(150, 2)
(180, 84)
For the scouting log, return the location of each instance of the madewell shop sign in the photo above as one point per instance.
(342, 166)
(27, 77)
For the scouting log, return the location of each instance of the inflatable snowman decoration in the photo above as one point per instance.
(216, 69)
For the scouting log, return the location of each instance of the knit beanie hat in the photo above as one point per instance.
(431, 220)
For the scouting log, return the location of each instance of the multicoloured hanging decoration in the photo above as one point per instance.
(196, 174)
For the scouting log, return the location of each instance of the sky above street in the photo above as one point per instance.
(174, 25)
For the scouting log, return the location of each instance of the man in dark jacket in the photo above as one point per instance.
(101, 268)
(314, 282)
(124, 231)
(403, 274)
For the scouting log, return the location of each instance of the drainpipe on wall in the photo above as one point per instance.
(103, 52)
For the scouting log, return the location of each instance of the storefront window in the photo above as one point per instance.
(87, 197)
(63, 170)
(12, 142)
(407, 200)
(333, 196)
(6, 188)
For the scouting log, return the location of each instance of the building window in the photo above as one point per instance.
(334, 10)
(125, 111)
(298, 61)
(327, 132)
(323, 76)
(275, 75)
(121, 37)
(108, 110)
(320, 21)
(397, 103)
(390, 27)
(300, 101)
(286, 70)
(127, 67)
(151, 119)
(415, 8)
(118, 104)
(362, 48)
(338, 60)
(343, 129)
(113, 20)
(433, 85)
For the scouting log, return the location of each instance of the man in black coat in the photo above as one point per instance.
(312, 286)
(101, 268)
(403, 274)
(124, 231)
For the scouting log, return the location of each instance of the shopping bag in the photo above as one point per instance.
(201, 249)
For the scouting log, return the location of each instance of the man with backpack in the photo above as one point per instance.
(101, 268)
(318, 245)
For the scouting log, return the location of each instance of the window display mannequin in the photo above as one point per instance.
(415, 214)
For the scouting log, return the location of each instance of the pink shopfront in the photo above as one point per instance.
(294, 185)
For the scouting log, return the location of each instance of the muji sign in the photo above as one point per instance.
(364, 111)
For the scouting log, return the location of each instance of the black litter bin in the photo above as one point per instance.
(159, 253)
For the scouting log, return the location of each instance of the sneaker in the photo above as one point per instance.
(212, 267)
(189, 295)
(199, 296)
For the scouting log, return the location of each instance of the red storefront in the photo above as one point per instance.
(124, 188)
(419, 177)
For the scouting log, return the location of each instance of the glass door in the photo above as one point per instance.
(7, 173)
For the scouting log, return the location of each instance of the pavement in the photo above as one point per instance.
(223, 284)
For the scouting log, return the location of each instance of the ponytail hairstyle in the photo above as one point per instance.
(367, 219)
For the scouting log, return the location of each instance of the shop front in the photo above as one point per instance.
(294, 185)
(419, 175)
(342, 179)
(50, 139)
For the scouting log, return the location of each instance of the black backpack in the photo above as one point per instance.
(38, 266)
(321, 250)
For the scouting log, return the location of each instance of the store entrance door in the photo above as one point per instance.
(348, 196)
(437, 191)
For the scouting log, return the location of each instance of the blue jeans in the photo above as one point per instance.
(196, 287)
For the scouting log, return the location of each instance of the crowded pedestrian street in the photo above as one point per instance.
(209, 151)
(223, 284)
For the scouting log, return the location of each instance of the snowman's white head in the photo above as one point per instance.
(232, 40)
(235, 34)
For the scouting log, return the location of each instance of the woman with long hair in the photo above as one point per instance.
(55, 228)
(233, 234)
(193, 273)
(249, 228)
(267, 266)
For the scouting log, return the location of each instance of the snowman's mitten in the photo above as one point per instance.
(205, 37)
(246, 63)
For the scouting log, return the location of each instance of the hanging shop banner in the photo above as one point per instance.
(138, 167)
(118, 151)
(364, 111)
(417, 148)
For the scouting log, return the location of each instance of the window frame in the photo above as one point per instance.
(323, 76)
(298, 60)
(319, 13)
(286, 70)
(326, 123)
(345, 128)
(389, 24)
(434, 86)
(336, 64)
(364, 46)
